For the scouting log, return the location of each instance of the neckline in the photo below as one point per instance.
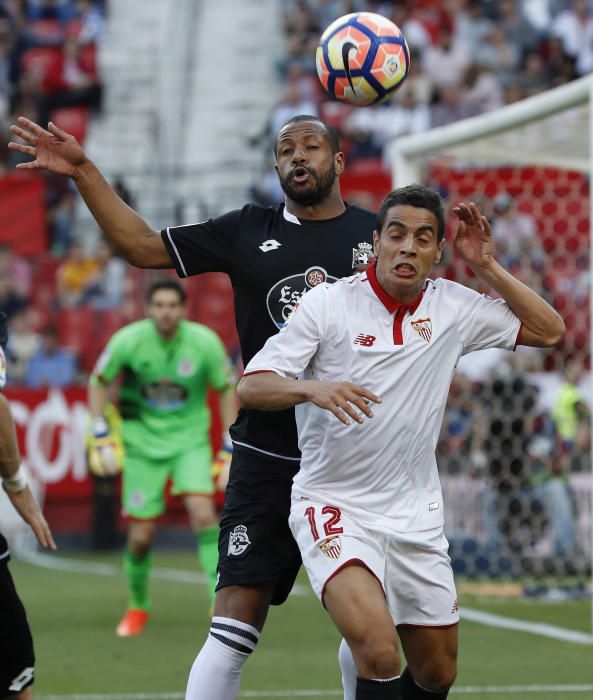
(392, 305)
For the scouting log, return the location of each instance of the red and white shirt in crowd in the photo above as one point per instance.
(384, 470)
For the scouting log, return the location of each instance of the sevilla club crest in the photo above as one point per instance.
(331, 547)
(423, 326)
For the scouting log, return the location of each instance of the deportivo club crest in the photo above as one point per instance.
(238, 540)
(423, 326)
(284, 296)
(186, 367)
(331, 547)
(361, 256)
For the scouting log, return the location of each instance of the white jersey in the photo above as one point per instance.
(383, 471)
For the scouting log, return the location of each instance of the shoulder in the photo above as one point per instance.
(199, 332)
(360, 212)
(132, 332)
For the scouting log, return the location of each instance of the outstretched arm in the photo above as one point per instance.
(268, 391)
(14, 481)
(58, 152)
(542, 325)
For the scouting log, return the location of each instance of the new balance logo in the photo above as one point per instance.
(266, 246)
(455, 607)
(366, 340)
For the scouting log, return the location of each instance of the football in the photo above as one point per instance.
(362, 58)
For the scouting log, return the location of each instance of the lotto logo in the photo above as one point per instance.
(366, 340)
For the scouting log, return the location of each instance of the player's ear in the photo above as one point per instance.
(340, 162)
(439, 254)
(376, 237)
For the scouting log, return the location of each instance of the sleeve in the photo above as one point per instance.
(111, 361)
(205, 247)
(221, 373)
(289, 352)
(484, 322)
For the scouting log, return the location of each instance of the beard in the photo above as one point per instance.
(314, 193)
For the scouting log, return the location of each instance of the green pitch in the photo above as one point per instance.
(73, 616)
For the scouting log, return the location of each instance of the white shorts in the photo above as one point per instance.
(413, 568)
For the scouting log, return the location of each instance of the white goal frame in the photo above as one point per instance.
(465, 140)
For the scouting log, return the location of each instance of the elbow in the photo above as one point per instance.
(556, 333)
(245, 393)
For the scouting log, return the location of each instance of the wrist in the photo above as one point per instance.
(100, 427)
(227, 443)
(16, 482)
(86, 173)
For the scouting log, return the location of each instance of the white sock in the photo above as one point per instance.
(216, 672)
(349, 672)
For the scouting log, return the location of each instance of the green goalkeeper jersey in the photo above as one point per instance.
(163, 396)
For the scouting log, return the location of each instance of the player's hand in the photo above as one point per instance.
(473, 242)
(344, 399)
(105, 456)
(53, 149)
(221, 465)
(27, 507)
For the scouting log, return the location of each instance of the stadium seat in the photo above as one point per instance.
(74, 120)
(76, 328)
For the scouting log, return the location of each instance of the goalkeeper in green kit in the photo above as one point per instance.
(167, 365)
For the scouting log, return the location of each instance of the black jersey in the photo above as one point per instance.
(272, 258)
(3, 547)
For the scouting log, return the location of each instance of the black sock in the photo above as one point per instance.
(367, 689)
(410, 690)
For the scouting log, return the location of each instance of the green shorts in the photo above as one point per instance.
(144, 480)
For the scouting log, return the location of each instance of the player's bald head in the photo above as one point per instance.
(317, 124)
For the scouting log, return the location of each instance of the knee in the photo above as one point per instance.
(140, 542)
(438, 676)
(376, 658)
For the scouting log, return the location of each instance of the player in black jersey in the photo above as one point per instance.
(17, 658)
(272, 256)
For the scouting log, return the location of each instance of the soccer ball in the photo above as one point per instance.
(362, 58)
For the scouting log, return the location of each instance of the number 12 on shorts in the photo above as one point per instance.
(330, 525)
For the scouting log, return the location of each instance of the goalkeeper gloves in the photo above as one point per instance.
(105, 451)
(222, 464)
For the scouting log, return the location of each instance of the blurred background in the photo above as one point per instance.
(177, 102)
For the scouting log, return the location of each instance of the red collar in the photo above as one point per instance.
(392, 305)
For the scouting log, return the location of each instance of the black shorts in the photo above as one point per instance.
(17, 658)
(256, 545)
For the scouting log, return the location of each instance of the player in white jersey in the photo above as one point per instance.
(367, 509)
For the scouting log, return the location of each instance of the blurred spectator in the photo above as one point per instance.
(472, 26)
(515, 235)
(23, 343)
(291, 104)
(106, 290)
(60, 198)
(517, 28)
(92, 22)
(574, 27)
(51, 366)
(483, 91)
(448, 106)
(446, 61)
(10, 300)
(499, 55)
(373, 128)
(75, 275)
(533, 78)
(17, 269)
(570, 412)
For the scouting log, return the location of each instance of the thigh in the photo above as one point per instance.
(329, 540)
(143, 486)
(191, 472)
(256, 546)
(431, 654)
(419, 580)
(16, 643)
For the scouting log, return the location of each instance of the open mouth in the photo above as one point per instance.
(300, 174)
(405, 270)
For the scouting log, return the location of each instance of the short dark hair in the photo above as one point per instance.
(419, 196)
(166, 283)
(334, 138)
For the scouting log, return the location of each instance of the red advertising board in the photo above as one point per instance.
(23, 224)
(51, 427)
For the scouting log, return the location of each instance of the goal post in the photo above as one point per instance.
(534, 156)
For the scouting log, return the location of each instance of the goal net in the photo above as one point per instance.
(515, 448)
